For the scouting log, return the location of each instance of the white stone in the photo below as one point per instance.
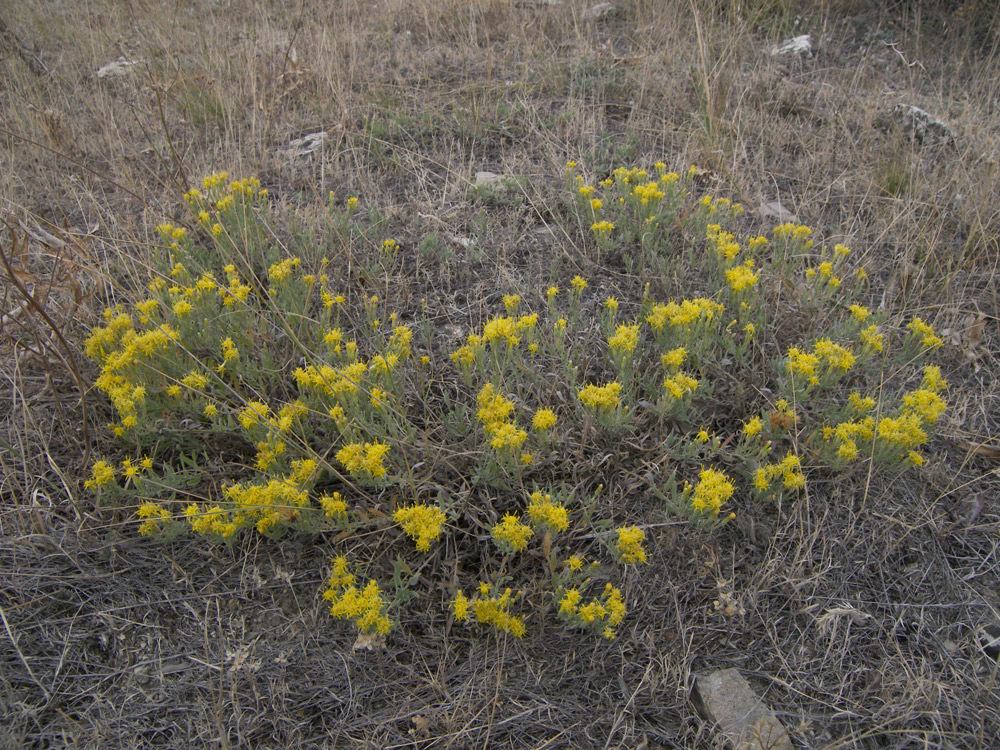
(922, 125)
(774, 210)
(303, 146)
(797, 45)
(119, 67)
(487, 179)
(599, 11)
(727, 699)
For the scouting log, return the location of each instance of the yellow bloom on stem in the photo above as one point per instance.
(624, 340)
(629, 544)
(569, 602)
(422, 523)
(510, 534)
(364, 459)
(101, 473)
(546, 513)
(712, 490)
(921, 330)
(601, 397)
(543, 419)
(753, 427)
(333, 505)
(674, 358)
(460, 607)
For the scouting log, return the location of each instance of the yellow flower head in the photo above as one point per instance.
(624, 340)
(712, 490)
(511, 535)
(543, 419)
(422, 523)
(546, 513)
(629, 544)
(601, 397)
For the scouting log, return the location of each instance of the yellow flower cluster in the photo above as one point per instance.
(506, 437)
(152, 514)
(741, 277)
(124, 354)
(789, 470)
(871, 339)
(508, 329)
(679, 385)
(900, 433)
(495, 413)
(493, 407)
(905, 431)
(364, 460)
(422, 523)
(859, 313)
(365, 607)
(464, 356)
(724, 243)
(282, 270)
(602, 227)
(101, 473)
(847, 435)
(601, 397)
(629, 545)
(543, 419)
(674, 359)
(624, 340)
(684, 315)
(789, 231)
(277, 502)
(489, 610)
(546, 513)
(836, 357)
(254, 413)
(510, 534)
(333, 506)
(605, 613)
(336, 382)
(214, 521)
(648, 193)
(924, 333)
(712, 490)
(860, 404)
(753, 426)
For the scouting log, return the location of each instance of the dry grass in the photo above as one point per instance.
(861, 608)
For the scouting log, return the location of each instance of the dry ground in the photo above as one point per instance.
(860, 610)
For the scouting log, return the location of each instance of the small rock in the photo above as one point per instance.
(921, 125)
(119, 67)
(725, 698)
(797, 45)
(303, 146)
(600, 11)
(488, 179)
(774, 210)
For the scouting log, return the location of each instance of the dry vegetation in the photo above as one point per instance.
(858, 610)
